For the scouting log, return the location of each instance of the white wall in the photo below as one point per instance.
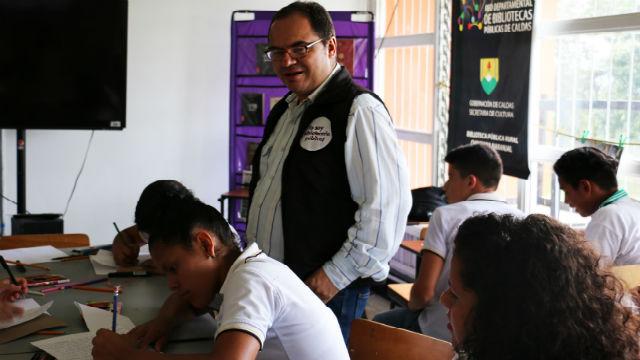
(177, 121)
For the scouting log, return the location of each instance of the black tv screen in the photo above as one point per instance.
(63, 64)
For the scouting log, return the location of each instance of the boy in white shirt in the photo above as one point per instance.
(588, 178)
(264, 310)
(474, 174)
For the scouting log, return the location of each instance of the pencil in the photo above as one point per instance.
(6, 267)
(72, 258)
(29, 265)
(91, 288)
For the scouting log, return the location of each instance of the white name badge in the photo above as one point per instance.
(317, 135)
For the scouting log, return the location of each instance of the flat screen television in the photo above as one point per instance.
(63, 64)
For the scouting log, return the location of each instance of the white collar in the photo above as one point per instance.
(489, 196)
(250, 251)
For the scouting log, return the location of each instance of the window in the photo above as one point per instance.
(585, 80)
(585, 83)
(405, 79)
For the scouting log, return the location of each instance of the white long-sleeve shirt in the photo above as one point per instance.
(378, 180)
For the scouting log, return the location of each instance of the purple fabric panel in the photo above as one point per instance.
(351, 29)
(248, 52)
(269, 97)
(268, 81)
(241, 162)
(253, 28)
(360, 58)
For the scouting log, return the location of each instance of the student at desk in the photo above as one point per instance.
(262, 306)
(588, 178)
(8, 294)
(474, 175)
(127, 243)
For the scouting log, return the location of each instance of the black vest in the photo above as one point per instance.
(317, 209)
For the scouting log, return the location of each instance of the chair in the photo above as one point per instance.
(370, 340)
(629, 274)
(55, 240)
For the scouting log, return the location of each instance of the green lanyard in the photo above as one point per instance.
(613, 198)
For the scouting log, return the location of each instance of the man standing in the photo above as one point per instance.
(330, 193)
(588, 178)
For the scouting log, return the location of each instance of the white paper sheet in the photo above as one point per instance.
(68, 347)
(103, 262)
(78, 346)
(31, 311)
(100, 269)
(104, 257)
(144, 253)
(33, 255)
(96, 318)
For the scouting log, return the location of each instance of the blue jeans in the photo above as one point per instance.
(349, 304)
(400, 318)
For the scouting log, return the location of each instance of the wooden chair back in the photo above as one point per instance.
(629, 274)
(55, 240)
(370, 340)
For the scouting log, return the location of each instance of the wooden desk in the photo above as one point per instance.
(399, 293)
(415, 247)
(239, 193)
(141, 298)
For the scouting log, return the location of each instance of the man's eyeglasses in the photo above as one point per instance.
(296, 52)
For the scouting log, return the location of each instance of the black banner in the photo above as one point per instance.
(490, 52)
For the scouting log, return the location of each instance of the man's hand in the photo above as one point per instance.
(321, 285)
(108, 345)
(126, 247)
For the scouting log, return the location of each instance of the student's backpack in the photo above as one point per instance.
(425, 201)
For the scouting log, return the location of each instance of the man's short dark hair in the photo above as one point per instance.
(587, 163)
(318, 17)
(479, 160)
(154, 197)
(177, 221)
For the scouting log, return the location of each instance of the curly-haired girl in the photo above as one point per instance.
(532, 289)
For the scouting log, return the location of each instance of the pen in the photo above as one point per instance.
(116, 290)
(6, 267)
(91, 288)
(71, 257)
(116, 226)
(119, 274)
(92, 250)
(34, 292)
